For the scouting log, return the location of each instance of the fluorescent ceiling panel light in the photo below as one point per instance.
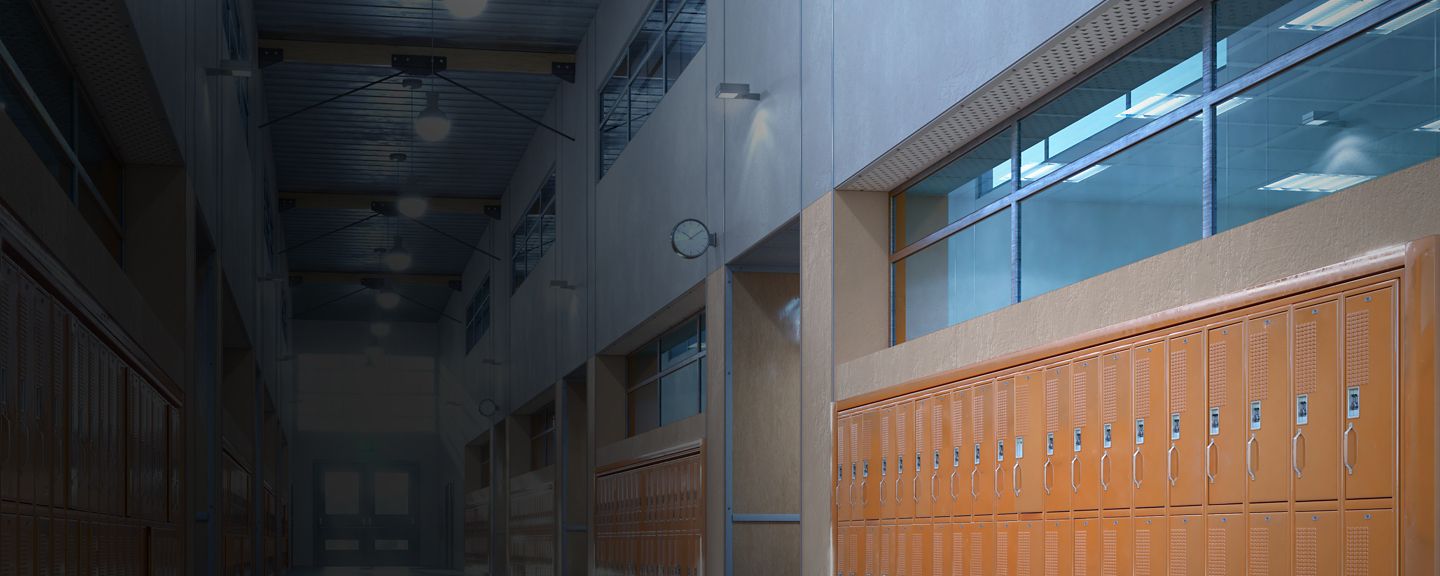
(1319, 118)
(1407, 18)
(1034, 171)
(1156, 106)
(1231, 104)
(1329, 15)
(1087, 173)
(1431, 127)
(1320, 183)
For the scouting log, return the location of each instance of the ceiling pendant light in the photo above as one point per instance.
(412, 206)
(465, 8)
(387, 299)
(397, 258)
(432, 124)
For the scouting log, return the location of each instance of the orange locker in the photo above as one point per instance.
(869, 462)
(1187, 553)
(1370, 546)
(1085, 436)
(1269, 544)
(886, 547)
(887, 466)
(843, 465)
(1147, 462)
(904, 447)
(1029, 543)
(1001, 483)
(982, 426)
(963, 451)
(869, 551)
(947, 439)
(1117, 547)
(1027, 473)
(1005, 548)
(1317, 402)
(1225, 545)
(926, 470)
(949, 548)
(1085, 533)
(1317, 543)
(1368, 448)
(1227, 414)
(1059, 548)
(1057, 442)
(1149, 542)
(920, 551)
(1186, 427)
(1268, 408)
(980, 538)
(1116, 430)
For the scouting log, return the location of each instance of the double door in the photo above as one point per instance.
(367, 514)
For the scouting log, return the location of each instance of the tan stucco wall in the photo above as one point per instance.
(766, 387)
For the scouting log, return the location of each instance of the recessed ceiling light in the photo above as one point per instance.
(1407, 18)
(1329, 15)
(466, 8)
(1231, 104)
(1087, 173)
(1319, 118)
(1431, 127)
(1156, 106)
(1037, 170)
(1320, 183)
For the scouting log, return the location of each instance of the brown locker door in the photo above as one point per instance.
(24, 545)
(60, 363)
(926, 467)
(1315, 406)
(869, 555)
(1117, 549)
(1059, 548)
(920, 551)
(1030, 548)
(1005, 548)
(1269, 408)
(1087, 546)
(1001, 486)
(961, 441)
(1225, 545)
(1147, 462)
(1057, 442)
(870, 464)
(1184, 424)
(982, 427)
(1368, 446)
(852, 485)
(841, 504)
(886, 455)
(24, 427)
(1149, 543)
(8, 378)
(40, 374)
(1269, 550)
(1027, 473)
(957, 554)
(886, 546)
(981, 548)
(1117, 432)
(1083, 469)
(1187, 545)
(947, 451)
(1370, 546)
(902, 467)
(1317, 544)
(1226, 414)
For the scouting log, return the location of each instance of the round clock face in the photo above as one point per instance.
(690, 238)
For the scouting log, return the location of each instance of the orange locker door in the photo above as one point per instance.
(1185, 425)
(1083, 476)
(856, 454)
(1225, 545)
(1269, 549)
(981, 548)
(1001, 486)
(1117, 550)
(1316, 402)
(1187, 553)
(901, 551)
(1030, 548)
(1317, 543)
(1147, 462)
(886, 547)
(1370, 546)
(921, 551)
(1150, 542)
(1268, 408)
(1117, 430)
(1087, 546)
(23, 376)
(961, 441)
(945, 427)
(904, 470)
(1369, 368)
(1005, 548)
(868, 556)
(1057, 443)
(870, 464)
(886, 454)
(1226, 415)
(982, 426)
(927, 458)
(1059, 548)
(1027, 472)
(840, 504)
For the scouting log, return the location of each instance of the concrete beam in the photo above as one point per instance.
(357, 278)
(343, 200)
(460, 59)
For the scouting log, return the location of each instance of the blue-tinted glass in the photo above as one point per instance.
(680, 343)
(684, 39)
(647, 89)
(614, 134)
(958, 278)
(680, 393)
(26, 38)
(1360, 110)
(645, 408)
(966, 184)
(1250, 33)
(1150, 82)
(1135, 204)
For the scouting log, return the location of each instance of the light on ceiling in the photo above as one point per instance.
(1085, 174)
(1036, 170)
(1329, 15)
(466, 8)
(412, 206)
(387, 299)
(1231, 104)
(729, 91)
(432, 125)
(380, 329)
(397, 258)
(1319, 118)
(1431, 127)
(1156, 105)
(1407, 18)
(1321, 183)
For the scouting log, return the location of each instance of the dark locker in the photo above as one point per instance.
(9, 292)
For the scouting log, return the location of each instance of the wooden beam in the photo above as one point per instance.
(461, 59)
(357, 278)
(342, 200)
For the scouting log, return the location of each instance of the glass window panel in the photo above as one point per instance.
(1358, 111)
(1140, 202)
(647, 89)
(1150, 82)
(1250, 33)
(25, 35)
(342, 492)
(958, 278)
(643, 363)
(680, 343)
(684, 39)
(644, 408)
(392, 493)
(615, 133)
(963, 186)
(649, 33)
(15, 105)
(680, 393)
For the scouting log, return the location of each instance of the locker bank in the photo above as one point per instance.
(719, 287)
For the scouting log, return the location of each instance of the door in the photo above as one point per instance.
(1317, 543)
(1116, 430)
(982, 426)
(1087, 546)
(1147, 473)
(1002, 483)
(1225, 545)
(1268, 405)
(870, 465)
(1083, 470)
(1150, 541)
(1227, 414)
(927, 456)
(886, 546)
(367, 515)
(980, 540)
(1370, 546)
(1269, 550)
(1185, 427)
(1059, 548)
(887, 463)
(1187, 545)
(905, 473)
(1056, 441)
(1317, 411)
(1367, 450)
(961, 438)
(842, 469)
(1028, 471)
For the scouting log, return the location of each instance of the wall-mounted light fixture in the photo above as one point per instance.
(729, 91)
(466, 8)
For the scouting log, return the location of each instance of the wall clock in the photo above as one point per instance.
(690, 239)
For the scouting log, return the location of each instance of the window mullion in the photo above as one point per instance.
(1207, 131)
(1015, 172)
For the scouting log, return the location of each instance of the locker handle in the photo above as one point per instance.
(1073, 486)
(1208, 449)
(1169, 464)
(1349, 468)
(1134, 468)
(933, 475)
(915, 487)
(953, 497)
(1295, 454)
(1104, 482)
(882, 489)
(1249, 459)
(996, 481)
(1015, 478)
(1045, 476)
(863, 500)
(973, 493)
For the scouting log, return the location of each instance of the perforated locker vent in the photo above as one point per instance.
(957, 420)
(1022, 409)
(1109, 562)
(1179, 380)
(917, 557)
(1142, 387)
(902, 433)
(1258, 556)
(1004, 406)
(1052, 552)
(1219, 375)
(1022, 551)
(975, 556)
(920, 424)
(870, 547)
(902, 556)
(1259, 381)
(1052, 402)
(1142, 552)
(7, 328)
(1357, 551)
(977, 418)
(1002, 551)
(885, 430)
(1306, 359)
(855, 446)
(1079, 385)
(1216, 554)
(937, 413)
(957, 552)
(1109, 389)
(1307, 552)
(1179, 552)
(1082, 550)
(1357, 348)
(866, 440)
(937, 552)
(1073, 50)
(887, 543)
